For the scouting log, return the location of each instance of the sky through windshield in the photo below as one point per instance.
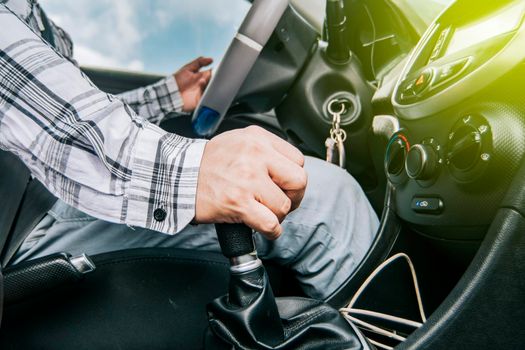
(147, 35)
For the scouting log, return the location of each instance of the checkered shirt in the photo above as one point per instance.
(87, 147)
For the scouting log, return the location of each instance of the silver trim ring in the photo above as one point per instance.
(246, 267)
(331, 104)
(249, 42)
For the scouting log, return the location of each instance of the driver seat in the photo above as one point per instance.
(151, 298)
(134, 299)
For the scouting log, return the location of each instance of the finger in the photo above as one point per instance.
(286, 174)
(204, 80)
(282, 146)
(198, 63)
(273, 198)
(205, 61)
(290, 177)
(262, 220)
(287, 150)
(206, 75)
(296, 196)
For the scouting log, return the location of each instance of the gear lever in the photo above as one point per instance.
(236, 241)
(248, 281)
(250, 317)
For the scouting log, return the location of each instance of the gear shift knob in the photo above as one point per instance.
(236, 241)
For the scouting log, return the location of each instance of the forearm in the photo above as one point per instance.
(87, 147)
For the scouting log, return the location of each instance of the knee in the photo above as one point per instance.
(329, 181)
(337, 198)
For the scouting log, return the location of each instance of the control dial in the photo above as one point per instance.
(469, 148)
(422, 162)
(395, 156)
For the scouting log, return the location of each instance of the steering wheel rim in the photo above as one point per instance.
(254, 32)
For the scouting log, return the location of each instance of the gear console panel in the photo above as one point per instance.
(461, 109)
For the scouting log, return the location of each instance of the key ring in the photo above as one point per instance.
(338, 132)
(330, 107)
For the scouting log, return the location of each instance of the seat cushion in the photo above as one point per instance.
(135, 299)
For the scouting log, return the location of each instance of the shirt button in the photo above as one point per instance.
(159, 214)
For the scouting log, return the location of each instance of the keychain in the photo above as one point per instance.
(335, 143)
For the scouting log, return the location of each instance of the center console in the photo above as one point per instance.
(461, 134)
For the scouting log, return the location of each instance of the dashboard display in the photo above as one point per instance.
(506, 21)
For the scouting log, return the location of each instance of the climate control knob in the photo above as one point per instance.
(421, 162)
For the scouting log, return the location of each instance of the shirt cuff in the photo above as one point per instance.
(173, 101)
(163, 186)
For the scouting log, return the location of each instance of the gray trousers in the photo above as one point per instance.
(323, 240)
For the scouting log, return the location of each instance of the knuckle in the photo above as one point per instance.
(235, 197)
(253, 129)
(246, 172)
(285, 207)
(301, 158)
(254, 154)
(302, 179)
(254, 148)
(270, 227)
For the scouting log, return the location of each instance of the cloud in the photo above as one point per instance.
(136, 65)
(89, 57)
(113, 33)
(105, 26)
(220, 12)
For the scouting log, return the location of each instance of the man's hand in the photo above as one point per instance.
(192, 82)
(250, 176)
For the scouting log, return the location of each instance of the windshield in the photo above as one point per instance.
(147, 35)
(426, 10)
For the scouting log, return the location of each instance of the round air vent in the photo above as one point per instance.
(395, 157)
(468, 149)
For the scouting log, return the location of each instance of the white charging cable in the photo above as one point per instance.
(350, 312)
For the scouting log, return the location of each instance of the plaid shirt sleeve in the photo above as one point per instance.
(87, 147)
(155, 101)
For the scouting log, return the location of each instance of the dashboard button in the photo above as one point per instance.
(407, 90)
(427, 205)
(440, 44)
(414, 88)
(449, 71)
(423, 81)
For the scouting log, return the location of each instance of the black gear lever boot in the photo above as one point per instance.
(250, 317)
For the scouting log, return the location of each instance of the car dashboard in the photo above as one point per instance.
(458, 110)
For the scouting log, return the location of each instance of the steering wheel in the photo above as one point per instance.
(255, 30)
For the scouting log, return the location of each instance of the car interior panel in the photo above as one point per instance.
(434, 118)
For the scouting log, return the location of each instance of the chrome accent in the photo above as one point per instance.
(245, 263)
(239, 260)
(82, 263)
(424, 161)
(249, 42)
